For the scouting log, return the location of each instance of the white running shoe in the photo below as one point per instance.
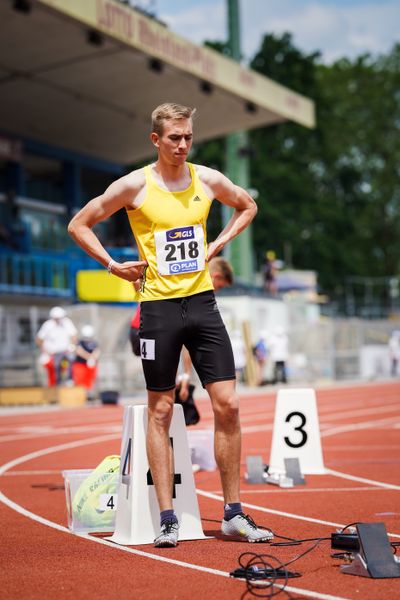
(168, 537)
(242, 528)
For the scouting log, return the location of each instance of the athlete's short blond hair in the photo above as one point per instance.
(168, 111)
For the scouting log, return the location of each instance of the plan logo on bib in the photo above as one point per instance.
(183, 267)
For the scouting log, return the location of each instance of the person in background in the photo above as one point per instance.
(134, 332)
(86, 358)
(260, 352)
(239, 353)
(167, 203)
(279, 351)
(221, 273)
(394, 352)
(56, 339)
(269, 273)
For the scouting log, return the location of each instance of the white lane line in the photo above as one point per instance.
(61, 431)
(327, 414)
(388, 486)
(386, 423)
(59, 448)
(306, 490)
(360, 412)
(19, 509)
(362, 448)
(26, 513)
(37, 472)
(280, 513)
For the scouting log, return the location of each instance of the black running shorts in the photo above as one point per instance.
(195, 322)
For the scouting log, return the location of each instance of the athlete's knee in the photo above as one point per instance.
(160, 409)
(226, 407)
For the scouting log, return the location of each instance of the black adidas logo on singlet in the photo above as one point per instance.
(196, 199)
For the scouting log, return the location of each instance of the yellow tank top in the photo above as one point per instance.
(170, 233)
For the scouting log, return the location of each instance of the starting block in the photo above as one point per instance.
(138, 517)
(296, 432)
(257, 472)
(375, 557)
(255, 469)
(292, 468)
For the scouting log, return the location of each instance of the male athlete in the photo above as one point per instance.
(167, 204)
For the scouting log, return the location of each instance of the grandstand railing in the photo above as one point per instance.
(37, 275)
(49, 273)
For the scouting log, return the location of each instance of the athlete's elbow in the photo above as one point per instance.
(253, 209)
(72, 227)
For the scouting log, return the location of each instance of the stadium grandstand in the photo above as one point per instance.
(78, 82)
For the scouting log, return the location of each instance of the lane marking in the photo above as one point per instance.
(385, 423)
(26, 513)
(361, 448)
(306, 491)
(41, 432)
(325, 415)
(19, 509)
(59, 448)
(326, 431)
(280, 513)
(37, 472)
(388, 486)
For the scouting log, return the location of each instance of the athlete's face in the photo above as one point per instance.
(175, 141)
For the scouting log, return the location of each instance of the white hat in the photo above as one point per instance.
(57, 313)
(87, 332)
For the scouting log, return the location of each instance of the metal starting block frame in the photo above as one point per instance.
(375, 558)
(257, 472)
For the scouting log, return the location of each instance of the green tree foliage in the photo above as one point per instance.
(332, 194)
(329, 198)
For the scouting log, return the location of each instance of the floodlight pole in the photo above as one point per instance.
(239, 251)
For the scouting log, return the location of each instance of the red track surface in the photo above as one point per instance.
(360, 427)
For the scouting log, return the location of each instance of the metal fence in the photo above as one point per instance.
(325, 350)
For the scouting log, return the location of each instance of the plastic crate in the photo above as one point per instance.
(92, 512)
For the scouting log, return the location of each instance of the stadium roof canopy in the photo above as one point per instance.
(85, 75)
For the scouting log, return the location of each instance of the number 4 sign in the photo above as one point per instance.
(296, 432)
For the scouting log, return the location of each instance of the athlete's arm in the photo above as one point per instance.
(122, 193)
(226, 192)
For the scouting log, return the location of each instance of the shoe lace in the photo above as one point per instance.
(250, 521)
(168, 527)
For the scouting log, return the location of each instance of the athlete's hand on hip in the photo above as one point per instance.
(213, 249)
(131, 270)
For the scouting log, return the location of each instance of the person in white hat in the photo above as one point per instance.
(56, 339)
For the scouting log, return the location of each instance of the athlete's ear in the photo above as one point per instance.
(155, 140)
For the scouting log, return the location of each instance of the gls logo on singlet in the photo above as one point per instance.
(181, 233)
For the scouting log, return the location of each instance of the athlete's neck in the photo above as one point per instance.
(172, 177)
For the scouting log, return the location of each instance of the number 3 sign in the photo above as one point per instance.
(296, 432)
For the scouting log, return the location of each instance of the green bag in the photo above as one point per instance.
(94, 502)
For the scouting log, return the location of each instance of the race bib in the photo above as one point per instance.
(180, 250)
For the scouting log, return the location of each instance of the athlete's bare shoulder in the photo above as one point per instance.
(215, 181)
(132, 186)
(126, 191)
(206, 174)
